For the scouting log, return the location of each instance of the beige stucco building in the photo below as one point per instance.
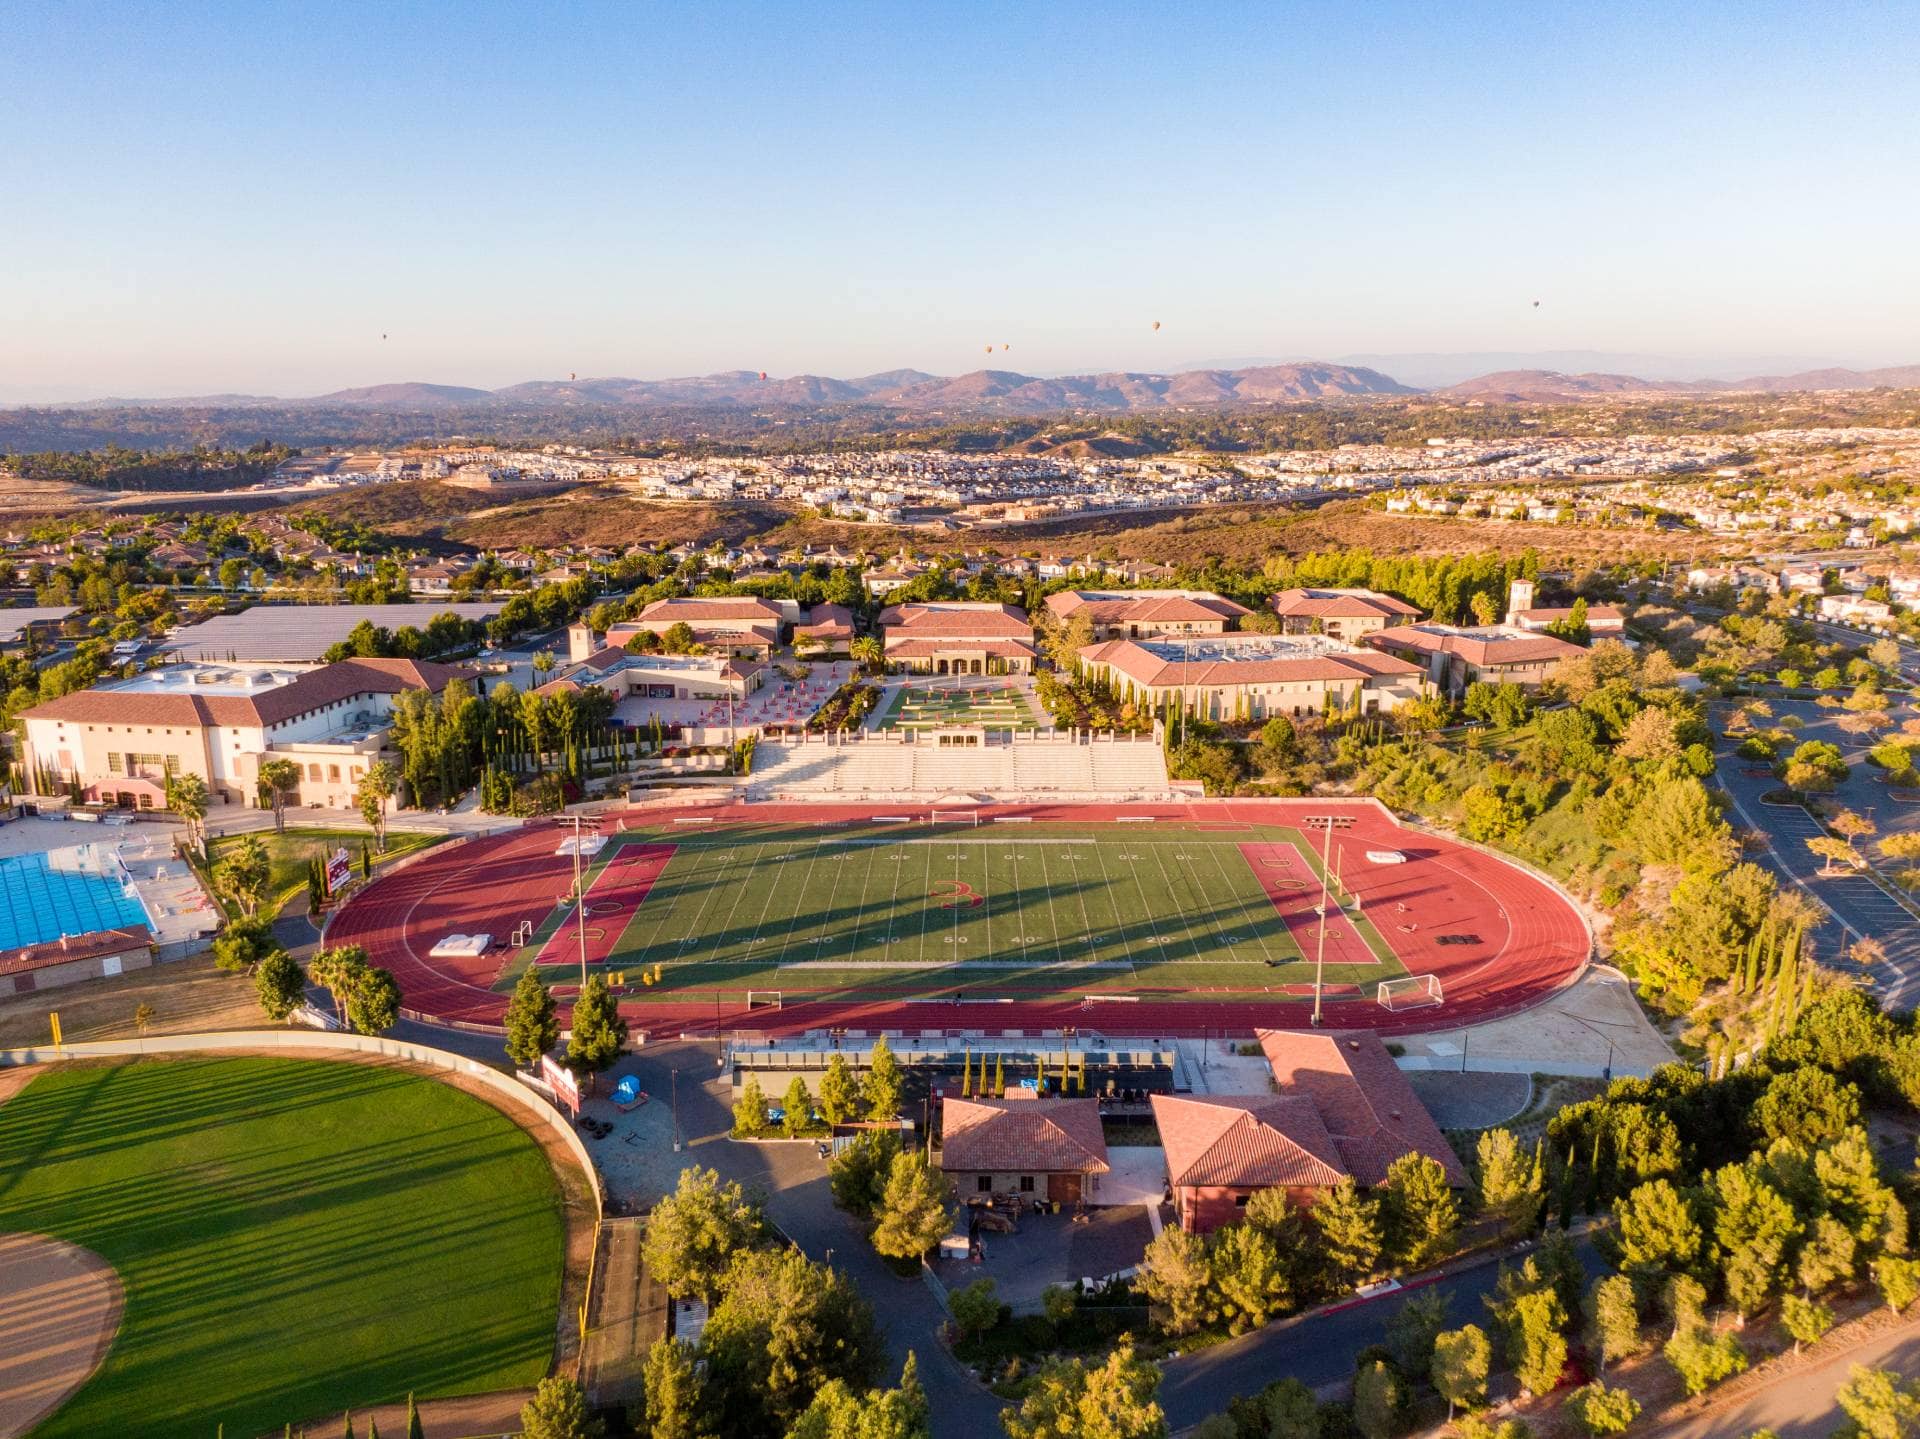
(120, 740)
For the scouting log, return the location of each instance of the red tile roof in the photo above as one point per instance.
(1363, 1098)
(974, 621)
(690, 610)
(1482, 646)
(1246, 1141)
(1145, 667)
(313, 690)
(1144, 608)
(1032, 1136)
(1339, 604)
(76, 946)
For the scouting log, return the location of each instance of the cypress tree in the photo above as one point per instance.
(347, 1432)
(999, 1078)
(414, 1431)
(1566, 1191)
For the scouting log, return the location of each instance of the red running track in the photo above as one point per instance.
(1529, 941)
(616, 892)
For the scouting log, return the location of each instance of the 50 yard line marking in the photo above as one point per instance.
(926, 907)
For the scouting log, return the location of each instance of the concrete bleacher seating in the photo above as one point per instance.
(879, 770)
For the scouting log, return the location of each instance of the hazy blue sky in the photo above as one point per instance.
(245, 196)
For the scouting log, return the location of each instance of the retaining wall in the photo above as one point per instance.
(514, 1097)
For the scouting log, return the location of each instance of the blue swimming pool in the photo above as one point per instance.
(45, 896)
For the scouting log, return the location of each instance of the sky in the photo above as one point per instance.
(248, 197)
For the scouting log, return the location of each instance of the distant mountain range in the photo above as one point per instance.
(1007, 392)
(1519, 386)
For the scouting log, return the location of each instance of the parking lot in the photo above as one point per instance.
(1857, 906)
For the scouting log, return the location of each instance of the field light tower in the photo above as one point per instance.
(1320, 955)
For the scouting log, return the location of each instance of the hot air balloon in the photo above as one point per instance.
(763, 374)
(383, 336)
(1536, 304)
(1006, 347)
(989, 349)
(1156, 324)
(571, 375)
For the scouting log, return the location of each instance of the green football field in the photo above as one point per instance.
(293, 1237)
(906, 909)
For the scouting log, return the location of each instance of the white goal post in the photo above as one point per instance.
(1412, 991)
(762, 999)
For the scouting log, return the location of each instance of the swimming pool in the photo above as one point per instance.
(43, 896)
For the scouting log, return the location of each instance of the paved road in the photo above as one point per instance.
(1800, 1405)
(1316, 1349)
(1855, 904)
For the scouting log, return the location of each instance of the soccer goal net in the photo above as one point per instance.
(762, 999)
(1413, 991)
(955, 816)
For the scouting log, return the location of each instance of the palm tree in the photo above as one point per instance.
(376, 788)
(187, 798)
(869, 652)
(278, 779)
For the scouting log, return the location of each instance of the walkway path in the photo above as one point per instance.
(1800, 1403)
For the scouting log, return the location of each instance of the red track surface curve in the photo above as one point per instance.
(1531, 940)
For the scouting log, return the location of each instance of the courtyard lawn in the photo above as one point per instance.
(915, 708)
(289, 853)
(902, 910)
(294, 1237)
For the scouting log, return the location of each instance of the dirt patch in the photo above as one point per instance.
(189, 996)
(59, 1310)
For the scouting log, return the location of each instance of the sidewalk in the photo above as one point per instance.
(471, 1416)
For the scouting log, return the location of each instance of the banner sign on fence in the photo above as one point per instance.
(565, 1087)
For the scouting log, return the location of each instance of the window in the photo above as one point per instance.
(1026, 1184)
(313, 773)
(1240, 1201)
(986, 1183)
(333, 774)
(115, 765)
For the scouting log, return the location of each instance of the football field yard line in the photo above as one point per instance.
(799, 898)
(690, 944)
(1053, 919)
(1009, 872)
(691, 936)
(1147, 917)
(826, 935)
(1193, 940)
(1072, 861)
(753, 870)
(926, 907)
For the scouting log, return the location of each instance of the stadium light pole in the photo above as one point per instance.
(1320, 954)
(579, 902)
